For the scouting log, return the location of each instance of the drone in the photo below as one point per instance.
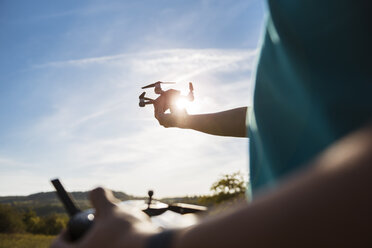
(171, 96)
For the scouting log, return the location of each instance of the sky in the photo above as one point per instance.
(70, 76)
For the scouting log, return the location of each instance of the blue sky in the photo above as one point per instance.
(70, 76)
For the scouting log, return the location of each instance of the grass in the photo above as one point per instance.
(25, 240)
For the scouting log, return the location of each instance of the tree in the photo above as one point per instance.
(228, 188)
(10, 220)
(51, 224)
(229, 184)
(32, 221)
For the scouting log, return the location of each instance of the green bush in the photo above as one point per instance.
(10, 220)
(13, 221)
(229, 188)
(51, 224)
(32, 221)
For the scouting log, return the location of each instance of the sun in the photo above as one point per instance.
(182, 103)
(191, 107)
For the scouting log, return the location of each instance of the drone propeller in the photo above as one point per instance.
(191, 87)
(142, 96)
(156, 83)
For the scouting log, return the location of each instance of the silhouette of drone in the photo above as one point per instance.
(171, 96)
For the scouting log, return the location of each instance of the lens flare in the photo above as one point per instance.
(182, 103)
(191, 107)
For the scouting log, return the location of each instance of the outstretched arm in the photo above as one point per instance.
(226, 123)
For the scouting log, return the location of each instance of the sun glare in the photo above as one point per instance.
(191, 107)
(182, 103)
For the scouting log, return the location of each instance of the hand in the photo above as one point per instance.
(113, 226)
(177, 118)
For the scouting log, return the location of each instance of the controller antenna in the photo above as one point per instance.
(65, 198)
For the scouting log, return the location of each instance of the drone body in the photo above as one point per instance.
(171, 96)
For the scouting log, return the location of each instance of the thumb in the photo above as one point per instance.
(102, 200)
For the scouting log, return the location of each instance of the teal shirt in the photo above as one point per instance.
(313, 83)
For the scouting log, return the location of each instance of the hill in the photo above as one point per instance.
(44, 203)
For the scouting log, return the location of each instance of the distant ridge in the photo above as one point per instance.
(49, 197)
(44, 203)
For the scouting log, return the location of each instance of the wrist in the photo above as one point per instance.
(184, 121)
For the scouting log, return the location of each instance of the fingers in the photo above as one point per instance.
(158, 114)
(159, 106)
(166, 120)
(162, 103)
(102, 200)
(159, 109)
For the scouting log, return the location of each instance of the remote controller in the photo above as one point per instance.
(80, 221)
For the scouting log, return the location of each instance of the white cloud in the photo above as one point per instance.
(100, 136)
(10, 163)
(153, 62)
